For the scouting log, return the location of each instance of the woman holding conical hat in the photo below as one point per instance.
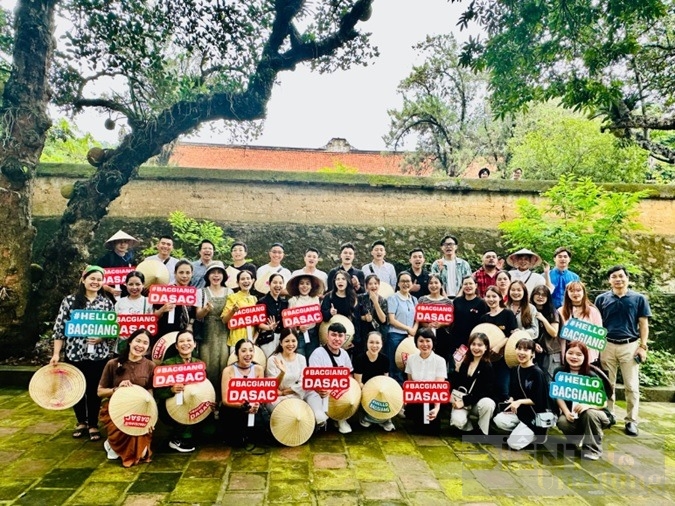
(130, 368)
(304, 290)
(88, 354)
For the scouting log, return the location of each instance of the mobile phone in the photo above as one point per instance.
(638, 359)
(458, 356)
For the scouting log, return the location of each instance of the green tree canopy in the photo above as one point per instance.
(66, 144)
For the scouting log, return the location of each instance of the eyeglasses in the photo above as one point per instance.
(449, 244)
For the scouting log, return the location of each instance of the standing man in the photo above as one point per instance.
(523, 260)
(164, 249)
(560, 276)
(119, 254)
(347, 254)
(451, 268)
(274, 266)
(383, 270)
(312, 257)
(238, 252)
(206, 252)
(486, 274)
(625, 315)
(419, 275)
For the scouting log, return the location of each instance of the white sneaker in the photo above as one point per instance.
(388, 426)
(112, 455)
(364, 422)
(344, 427)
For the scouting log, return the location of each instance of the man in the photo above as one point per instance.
(119, 254)
(625, 315)
(332, 355)
(164, 249)
(419, 275)
(347, 254)
(238, 252)
(523, 260)
(517, 174)
(561, 276)
(451, 268)
(206, 252)
(486, 274)
(274, 266)
(312, 257)
(383, 270)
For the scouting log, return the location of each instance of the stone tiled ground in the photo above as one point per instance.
(40, 464)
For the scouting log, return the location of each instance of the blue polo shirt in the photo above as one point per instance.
(559, 280)
(620, 315)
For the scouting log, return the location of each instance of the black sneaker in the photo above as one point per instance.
(182, 446)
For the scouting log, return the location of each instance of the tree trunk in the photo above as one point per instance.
(23, 126)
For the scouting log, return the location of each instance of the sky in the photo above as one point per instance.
(307, 109)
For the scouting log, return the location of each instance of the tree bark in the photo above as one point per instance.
(23, 126)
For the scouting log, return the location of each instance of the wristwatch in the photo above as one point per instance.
(644, 346)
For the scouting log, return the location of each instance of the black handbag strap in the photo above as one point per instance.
(520, 384)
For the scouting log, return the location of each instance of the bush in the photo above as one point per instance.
(658, 370)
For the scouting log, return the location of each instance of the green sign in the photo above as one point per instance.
(593, 336)
(577, 388)
(98, 324)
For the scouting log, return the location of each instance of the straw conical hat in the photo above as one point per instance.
(59, 386)
(197, 401)
(163, 344)
(510, 347)
(292, 422)
(511, 259)
(338, 318)
(382, 397)
(385, 290)
(262, 284)
(258, 357)
(121, 236)
(232, 273)
(294, 281)
(345, 406)
(494, 333)
(403, 350)
(133, 410)
(154, 271)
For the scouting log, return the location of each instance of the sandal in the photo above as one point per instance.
(79, 431)
(94, 435)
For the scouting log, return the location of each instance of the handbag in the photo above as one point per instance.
(545, 419)
(459, 393)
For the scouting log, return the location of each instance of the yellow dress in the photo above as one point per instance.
(241, 300)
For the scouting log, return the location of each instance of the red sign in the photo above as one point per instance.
(130, 323)
(198, 411)
(430, 313)
(248, 317)
(178, 374)
(252, 390)
(116, 275)
(422, 392)
(304, 315)
(170, 294)
(136, 420)
(335, 379)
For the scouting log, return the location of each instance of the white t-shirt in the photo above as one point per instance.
(125, 305)
(318, 273)
(320, 358)
(170, 265)
(426, 369)
(267, 268)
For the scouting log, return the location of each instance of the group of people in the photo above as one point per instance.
(487, 394)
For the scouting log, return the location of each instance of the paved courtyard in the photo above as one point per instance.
(41, 464)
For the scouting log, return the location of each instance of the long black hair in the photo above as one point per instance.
(124, 354)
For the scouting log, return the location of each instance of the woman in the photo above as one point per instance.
(444, 346)
(373, 312)
(502, 282)
(213, 348)
(469, 308)
(341, 300)
(548, 345)
(287, 365)
(268, 333)
(367, 365)
(425, 366)
(236, 301)
(505, 320)
(130, 368)
(89, 354)
(134, 303)
(401, 307)
(529, 396)
(519, 302)
(474, 376)
(235, 414)
(577, 305)
(578, 419)
(304, 290)
(184, 316)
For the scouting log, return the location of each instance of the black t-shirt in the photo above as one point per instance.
(422, 280)
(363, 365)
(505, 320)
(274, 308)
(353, 271)
(468, 314)
(534, 387)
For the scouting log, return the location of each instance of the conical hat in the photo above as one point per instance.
(338, 318)
(232, 273)
(261, 284)
(198, 398)
(292, 422)
(133, 410)
(163, 344)
(59, 386)
(385, 290)
(382, 397)
(346, 405)
(510, 347)
(292, 284)
(154, 271)
(511, 258)
(121, 236)
(258, 357)
(403, 350)
(494, 333)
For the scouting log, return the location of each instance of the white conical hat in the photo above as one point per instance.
(59, 386)
(198, 399)
(510, 347)
(382, 397)
(133, 410)
(338, 318)
(292, 422)
(403, 350)
(121, 236)
(346, 405)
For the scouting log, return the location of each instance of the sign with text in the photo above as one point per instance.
(593, 336)
(98, 324)
(578, 388)
(335, 379)
(136, 420)
(301, 316)
(116, 275)
(130, 323)
(178, 374)
(252, 390)
(438, 313)
(248, 317)
(170, 294)
(424, 392)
